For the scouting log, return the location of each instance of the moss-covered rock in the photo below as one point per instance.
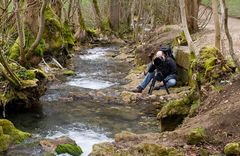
(9, 134)
(196, 136)
(212, 66)
(72, 149)
(232, 149)
(173, 112)
(9, 129)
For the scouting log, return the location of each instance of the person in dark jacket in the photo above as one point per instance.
(166, 69)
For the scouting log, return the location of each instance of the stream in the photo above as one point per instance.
(85, 107)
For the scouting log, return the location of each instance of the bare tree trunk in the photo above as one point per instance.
(217, 24)
(195, 74)
(185, 25)
(20, 33)
(82, 27)
(137, 27)
(40, 30)
(192, 8)
(133, 7)
(98, 15)
(15, 80)
(114, 15)
(224, 12)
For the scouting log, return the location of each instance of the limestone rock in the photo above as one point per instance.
(50, 145)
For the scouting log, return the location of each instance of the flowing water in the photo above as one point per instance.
(84, 107)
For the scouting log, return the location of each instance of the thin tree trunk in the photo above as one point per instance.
(133, 7)
(224, 12)
(20, 33)
(69, 9)
(217, 24)
(40, 30)
(185, 25)
(17, 81)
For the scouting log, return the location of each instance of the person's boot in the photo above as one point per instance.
(137, 90)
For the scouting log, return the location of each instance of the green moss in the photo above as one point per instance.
(14, 51)
(5, 141)
(53, 30)
(72, 149)
(16, 135)
(212, 66)
(194, 107)
(180, 40)
(68, 35)
(232, 149)
(196, 136)
(178, 107)
(69, 72)
(92, 32)
(26, 74)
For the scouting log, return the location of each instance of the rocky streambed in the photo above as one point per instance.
(87, 107)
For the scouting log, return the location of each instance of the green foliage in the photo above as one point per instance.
(196, 136)
(72, 149)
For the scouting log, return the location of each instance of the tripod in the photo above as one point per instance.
(154, 81)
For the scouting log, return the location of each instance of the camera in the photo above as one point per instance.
(159, 61)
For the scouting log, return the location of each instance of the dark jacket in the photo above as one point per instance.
(168, 69)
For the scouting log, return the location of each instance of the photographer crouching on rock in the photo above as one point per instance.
(163, 68)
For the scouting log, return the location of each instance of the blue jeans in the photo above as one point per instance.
(169, 83)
